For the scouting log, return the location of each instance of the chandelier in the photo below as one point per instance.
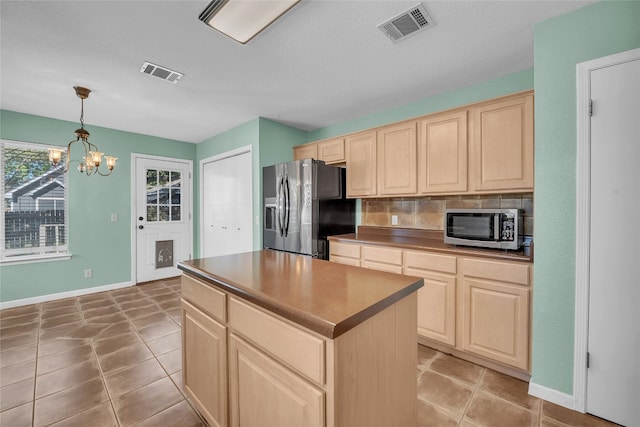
(92, 158)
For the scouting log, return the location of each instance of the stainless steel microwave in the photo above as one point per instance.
(487, 228)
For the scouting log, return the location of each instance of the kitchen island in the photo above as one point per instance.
(276, 339)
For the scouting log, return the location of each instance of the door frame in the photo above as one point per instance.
(215, 158)
(583, 218)
(134, 234)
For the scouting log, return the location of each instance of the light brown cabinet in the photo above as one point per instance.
(361, 156)
(306, 151)
(382, 258)
(204, 353)
(345, 253)
(501, 145)
(495, 311)
(397, 166)
(437, 299)
(331, 151)
(442, 153)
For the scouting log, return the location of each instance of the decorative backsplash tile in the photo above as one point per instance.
(428, 212)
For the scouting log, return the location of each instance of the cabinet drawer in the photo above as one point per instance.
(344, 250)
(344, 260)
(290, 345)
(331, 151)
(205, 297)
(384, 255)
(431, 262)
(510, 272)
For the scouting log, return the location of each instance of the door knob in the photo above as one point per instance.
(141, 227)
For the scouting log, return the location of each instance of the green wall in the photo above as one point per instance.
(270, 143)
(94, 241)
(560, 43)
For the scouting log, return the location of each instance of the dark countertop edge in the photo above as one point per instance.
(432, 245)
(314, 323)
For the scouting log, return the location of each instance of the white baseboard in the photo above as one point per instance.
(62, 295)
(551, 395)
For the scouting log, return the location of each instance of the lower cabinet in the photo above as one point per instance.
(495, 311)
(344, 253)
(263, 392)
(204, 348)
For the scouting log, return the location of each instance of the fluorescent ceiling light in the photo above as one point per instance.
(244, 19)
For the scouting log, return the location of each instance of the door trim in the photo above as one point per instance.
(134, 240)
(218, 157)
(583, 218)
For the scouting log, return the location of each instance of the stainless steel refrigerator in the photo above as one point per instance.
(304, 202)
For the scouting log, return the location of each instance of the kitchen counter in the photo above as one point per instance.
(426, 240)
(327, 298)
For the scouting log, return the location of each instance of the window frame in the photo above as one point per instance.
(40, 254)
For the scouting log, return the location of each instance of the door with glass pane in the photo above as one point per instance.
(162, 217)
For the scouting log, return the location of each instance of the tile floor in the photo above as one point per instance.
(114, 359)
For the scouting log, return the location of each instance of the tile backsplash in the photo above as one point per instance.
(428, 212)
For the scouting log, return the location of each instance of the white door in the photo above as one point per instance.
(162, 217)
(613, 377)
(227, 202)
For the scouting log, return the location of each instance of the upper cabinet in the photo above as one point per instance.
(397, 159)
(307, 151)
(361, 156)
(442, 153)
(501, 145)
(481, 148)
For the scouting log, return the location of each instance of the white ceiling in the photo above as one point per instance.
(322, 63)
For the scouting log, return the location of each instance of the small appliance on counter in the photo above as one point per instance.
(487, 228)
(304, 202)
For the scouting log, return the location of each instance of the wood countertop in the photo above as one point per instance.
(424, 240)
(326, 297)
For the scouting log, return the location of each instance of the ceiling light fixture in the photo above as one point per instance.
(242, 20)
(92, 158)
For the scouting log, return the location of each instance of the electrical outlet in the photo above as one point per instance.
(88, 273)
(394, 219)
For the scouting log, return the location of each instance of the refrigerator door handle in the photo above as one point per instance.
(279, 205)
(287, 205)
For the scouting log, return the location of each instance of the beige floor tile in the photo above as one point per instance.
(488, 411)
(458, 369)
(17, 355)
(103, 303)
(18, 372)
(133, 377)
(17, 417)
(431, 416)
(16, 394)
(47, 347)
(87, 330)
(151, 319)
(171, 361)
(9, 343)
(425, 355)
(65, 358)
(115, 329)
(19, 311)
(62, 379)
(64, 319)
(103, 311)
(98, 416)
(12, 331)
(509, 388)
(109, 319)
(181, 414)
(165, 344)
(19, 320)
(177, 380)
(159, 330)
(58, 331)
(115, 343)
(52, 305)
(125, 357)
(444, 392)
(58, 406)
(135, 313)
(136, 303)
(147, 401)
(60, 311)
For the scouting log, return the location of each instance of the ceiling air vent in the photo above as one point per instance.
(407, 23)
(161, 72)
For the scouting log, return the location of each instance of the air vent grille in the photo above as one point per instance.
(407, 23)
(161, 72)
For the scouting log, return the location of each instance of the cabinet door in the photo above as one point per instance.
(307, 151)
(361, 158)
(397, 159)
(496, 321)
(442, 153)
(204, 364)
(331, 151)
(262, 392)
(502, 145)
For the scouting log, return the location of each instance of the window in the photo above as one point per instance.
(34, 214)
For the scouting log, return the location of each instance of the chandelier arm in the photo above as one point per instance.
(66, 166)
(104, 174)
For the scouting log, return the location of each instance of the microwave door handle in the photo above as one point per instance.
(287, 205)
(496, 227)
